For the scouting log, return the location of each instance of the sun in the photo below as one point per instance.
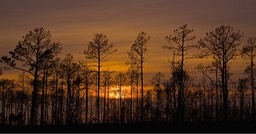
(114, 95)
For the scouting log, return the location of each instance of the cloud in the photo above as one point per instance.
(73, 23)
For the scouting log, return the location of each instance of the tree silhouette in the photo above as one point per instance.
(213, 68)
(216, 67)
(242, 86)
(7, 90)
(107, 81)
(70, 68)
(87, 74)
(57, 92)
(1, 71)
(157, 82)
(131, 75)
(138, 51)
(222, 44)
(249, 51)
(148, 105)
(120, 80)
(99, 50)
(179, 42)
(22, 94)
(45, 67)
(32, 51)
(61, 91)
(133, 71)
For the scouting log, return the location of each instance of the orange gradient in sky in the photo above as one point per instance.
(73, 23)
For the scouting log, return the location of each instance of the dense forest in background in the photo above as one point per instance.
(55, 91)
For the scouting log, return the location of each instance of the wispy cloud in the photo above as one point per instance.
(74, 22)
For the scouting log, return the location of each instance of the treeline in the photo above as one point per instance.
(55, 91)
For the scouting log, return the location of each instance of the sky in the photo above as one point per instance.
(74, 22)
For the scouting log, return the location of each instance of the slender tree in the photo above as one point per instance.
(222, 44)
(133, 73)
(138, 50)
(249, 51)
(242, 86)
(157, 82)
(3, 99)
(24, 87)
(69, 69)
(107, 81)
(87, 73)
(45, 67)
(56, 72)
(1, 71)
(179, 42)
(216, 68)
(120, 81)
(148, 105)
(99, 50)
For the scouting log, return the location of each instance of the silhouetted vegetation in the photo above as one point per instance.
(58, 92)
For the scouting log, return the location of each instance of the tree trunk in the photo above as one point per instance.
(61, 111)
(3, 104)
(174, 99)
(252, 86)
(131, 97)
(108, 100)
(53, 110)
(242, 105)
(217, 94)
(181, 98)
(68, 101)
(225, 90)
(22, 97)
(142, 88)
(45, 98)
(56, 99)
(137, 86)
(86, 97)
(33, 114)
(42, 98)
(104, 101)
(120, 102)
(98, 86)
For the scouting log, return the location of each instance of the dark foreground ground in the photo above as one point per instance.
(143, 127)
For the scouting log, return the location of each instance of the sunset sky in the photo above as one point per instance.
(73, 23)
